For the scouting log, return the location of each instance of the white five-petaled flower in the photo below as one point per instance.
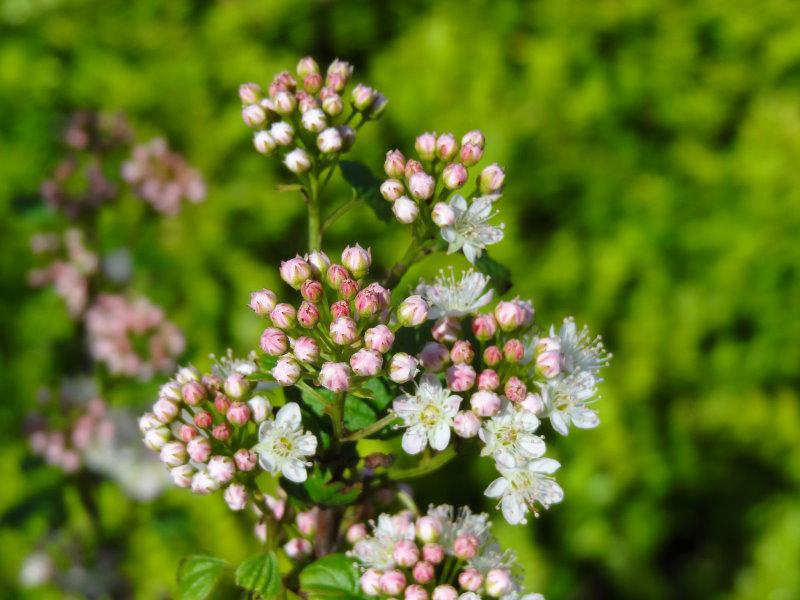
(566, 401)
(450, 298)
(427, 414)
(519, 489)
(283, 445)
(509, 437)
(470, 232)
(580, 351)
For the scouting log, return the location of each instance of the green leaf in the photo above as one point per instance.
(322, 490)
(381, 397)
(314, 403)
(198, 575)
(332, 577)
(501, 276)
(358, 413)
(260, 574)
(367, 187)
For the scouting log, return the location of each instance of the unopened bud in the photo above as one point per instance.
(263, 301)
(446, 146)
(447, 330)
(236, 496)
(492, 356)
(286, 371)
(466, 424)
(434, 357)
(236, 385)
(199, 449)
(182, 475)
(343, 331)
(402, 368)
(425, 145)
(513, 350)
(333, 105)
(405, 209)
(282, 133)
(474, 137)
(421, 186)
(203, 484)
(284, 102)
(253, 115)
(156, 437)
(392, 189)
(250, 93)
(314, 120)
(357, 260)
(297, 161)
(173, 454)
(335, 376)
(485, 403)
(319, 262)
(462, 352)
(395, 164)
(264, 143)
(330, 141)
(460, 378)
(306, 349)
(443, 214)
(245, 459)
(379, 338)
(221, 432)
(498, 583)
(491, 179)
(311, 290)
(307, 66)
(366, 363)
(470, 154)
(283, 315)
(393, 582)
(515, 390)
(488, 379)
(470, 579)
(307, 314)
(484, 326)
(238, 414)
(356, 533)
(362, 97)
(454, 176)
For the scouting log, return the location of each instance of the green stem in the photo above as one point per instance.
(416, 251)
(339, 211)
(435, 462)
(337, 417)
(314, 231)
(408, 502)
(369, 430)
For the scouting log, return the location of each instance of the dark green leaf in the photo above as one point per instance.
(381, 397)
(333, 577)
(367, 187)
(322, 490)
(198, 575)
(358, 413)
(314, 403)
(501, 276)
(260, 574)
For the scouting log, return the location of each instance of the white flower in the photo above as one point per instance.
(427, 414)
(509, 437)
(229, 364)
(565, 402)
(377, 550)
(519, 489)
(471, 233)
(450, 298)
(283, 445)
(462, 522)
(579, 351)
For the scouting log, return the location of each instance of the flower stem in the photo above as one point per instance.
(369, 430)
(339, 211)
(314, 229)
(428, 466)
(417, 250)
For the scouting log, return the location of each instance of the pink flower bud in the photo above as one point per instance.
(263, 301)
(343, 331)
(245, 459)
(283, 134)
(412, 167)
(286, 371)
(187, 432)
(221, 432)
(336, 275)
(470, 579)
(489, 380)
(221, 402)
(460, 378)
(362, 97)
(306, 349)
(402, 368)
(297, 548)
(253, 115)
(335, 376)
(443, 214)
(313, 120)
(156, 437)
(485, 404)
(199, 449)
(348, 289)
(221, 468)
(339, 309)
(484, 326)
(428, 529)
(454, 176)
(492, 356)
(466, 424)
(393, 582)
(182, 475)
(368, 303)
(395, 164)
(264, 143)
(283, 316)
(357, 260)
(534, 404)
(330, 141)
(193, 393)
(203, 420)
(423, 572)
(413, 311)
(491, 179)
(236, 496)
(548, 364)
(284, 102)
(405, 209)
(379, 338)
(171, 391)
(466, 546)
(509, 315)
(498, 583)
(421, 186)
(470, 154)
(273, 341)
(307, 66)
(415, 592)
(474, 137)
(173, 454)
(425, 145)
(371, 582)
(297, 161)
(333, 105)
(446, 146)
(319, 263)
(295, 271)
(307, 522)
(513, 350)
(250, 93)
(405, 553)
(202, 483)
(236, 385)
(444, 592)
(165, 410)
(433, 553)
(238, 414)
(307, 314)
(148, 421)
(434, 357)
(366, 363)
(515, 389)
(212, 382)
(356, 533)
(462, 352)
(447, 330)
(392, 189)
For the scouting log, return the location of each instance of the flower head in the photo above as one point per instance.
(449, 297)
(470, 232)
(509, 437)
(283, 445)
(427, 414)
(521, 488)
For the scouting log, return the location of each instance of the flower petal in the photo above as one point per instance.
(559, 423)
(439, 436)
(294, 470)
(513, 509)
(414, 439)
(289, 416)
(497, 488)
(584, 418)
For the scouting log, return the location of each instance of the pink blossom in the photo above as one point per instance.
(366, 363)
(273, 341)
(263, 301)
(379, 338)
(306, 349)
(335, 376)
(485, 404)
(460, 378)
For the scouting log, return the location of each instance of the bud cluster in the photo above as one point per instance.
(304, 118)
(343, 329)
(162, 177)
(442, 555)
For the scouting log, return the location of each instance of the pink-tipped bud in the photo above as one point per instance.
(335, 376)
(444, 592)
(513, 350)
(336, 275)
(238, 414)
(173, 454)
(283, 134)
(236, 385)
(425, 145)
(484, 327)
(462, 352)
(148, 421)
(423, 572)
(171, 390)
(250, 93)
(394, 164)
(306, 349)
(485, 404)
(492, 356)
(509, 315)
(264, 143)
(470, 579)
(393, 582)
(405, 210)
(446, 146)
(274, 342)
(466, 424)
(212, 382)
(428, 529)
(221, 469)
(415, 592)
(307, 522)
(515, 389)
(454, 176)
(491, 179)
(434, 357)
(357, 260)
(443, 214)
(333, 104)
(421, 186)
(236, 496)
(535, 404)
(470, 154)
(362, 97)
(356, 533)
(260, 408)
(165, 410)
(312, 84)
(182, 475)
(263, 301)
(392, 189)
(203, 420)
(330, 141)
(307, 314)
(245, 460)
(343, 331)
(405, 553)
(412, 167)
(433, 553)
(460, 378)
(314, 120)
(379, 338)
(254, 115)
(199, 449)
(368, 303)
(284, 102)
(283, 315)
(187, 433)
(156, 437)
(447, 330)
(366, 363)
(193, 393)
(348, 289)
(221, 402)
(298, 548)
(489, 380)
(474, 137)
(499, 583)
(465, 546)
(413, 311)
(286, 371)
(371, 582)
(187, 374)
(548, 364)
(402, 368)
(295, 271)
(221, 432)
(307, 66)
(203, 484)
(297, 161)
(319, 263)
(339, 309)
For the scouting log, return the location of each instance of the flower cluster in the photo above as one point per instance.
(131, 337)
(304, 119)
(442, 555)
(419, 189)
(343, 330)
(162, 177)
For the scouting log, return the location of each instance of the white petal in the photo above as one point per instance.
(497, 488)
(451, 405)
(532, 445)
(504, 458)
(267, 462)
(430, 382)
(449, 234)
(414, 439)
(483, 300)
(264, 428)
(439, 436)
(513, 509)
(544, 465)
(584, 418)
(294, 470)
(289, 416)
(552, 493)
(471, 252)
(458, 202)
(527, 420)
(306, 444)
(558, 422)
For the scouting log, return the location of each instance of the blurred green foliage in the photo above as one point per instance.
(652, 150)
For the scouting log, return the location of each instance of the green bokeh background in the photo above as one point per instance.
(653, 190)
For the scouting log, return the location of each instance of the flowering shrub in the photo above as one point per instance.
(345, 360)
